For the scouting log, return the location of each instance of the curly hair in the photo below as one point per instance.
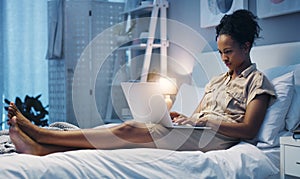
(241, 26)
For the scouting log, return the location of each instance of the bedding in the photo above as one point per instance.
(249, 162)
(243, 160)
(284, 115)
(293, 115)
(274, 122)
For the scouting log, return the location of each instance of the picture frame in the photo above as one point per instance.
(271, 8)
(212, 11)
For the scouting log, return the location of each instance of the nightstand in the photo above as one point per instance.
(289, 157)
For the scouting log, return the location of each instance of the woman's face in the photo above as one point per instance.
(232, 53)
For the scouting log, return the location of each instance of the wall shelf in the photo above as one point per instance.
(157, 14)
(141, 46)
(142, 9)
(158, 10)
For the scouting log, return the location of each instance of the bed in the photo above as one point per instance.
(280, 62)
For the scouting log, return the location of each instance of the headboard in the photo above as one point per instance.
(274, 55)
(265, 57)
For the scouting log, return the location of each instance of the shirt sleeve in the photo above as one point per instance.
(261, 85)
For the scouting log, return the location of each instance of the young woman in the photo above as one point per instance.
(234, 106)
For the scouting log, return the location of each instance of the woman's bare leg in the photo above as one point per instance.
(126, 135)
(25, 144)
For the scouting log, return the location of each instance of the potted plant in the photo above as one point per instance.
(32, 108)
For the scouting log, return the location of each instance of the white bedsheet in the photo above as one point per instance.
(241, 161)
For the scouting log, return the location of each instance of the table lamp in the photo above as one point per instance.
(168, 87)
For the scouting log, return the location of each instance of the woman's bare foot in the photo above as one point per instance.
(25, 144)
(23, 123)
(14, 111)
(22, 142)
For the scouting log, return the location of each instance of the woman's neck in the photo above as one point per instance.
(236, 72)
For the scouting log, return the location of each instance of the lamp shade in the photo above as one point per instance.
(168, 85)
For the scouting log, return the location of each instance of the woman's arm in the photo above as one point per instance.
(198, 109)
(254, 116)
(248, 129)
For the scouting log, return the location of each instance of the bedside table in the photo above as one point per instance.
(289, 157)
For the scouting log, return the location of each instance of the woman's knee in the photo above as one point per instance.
(130, 127)
(137, 134)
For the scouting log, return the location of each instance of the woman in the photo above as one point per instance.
(234, 106)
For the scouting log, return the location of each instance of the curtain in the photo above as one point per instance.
(24, 33)
(1, 60)
(55, 34)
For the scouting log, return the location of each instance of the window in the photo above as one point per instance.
(24, 36)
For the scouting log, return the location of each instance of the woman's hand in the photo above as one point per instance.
(201, 121)
(175, 114)
(183, 120)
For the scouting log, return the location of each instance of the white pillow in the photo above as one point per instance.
(274, 121)
(292, 120)
(187, 99)
(293, 116)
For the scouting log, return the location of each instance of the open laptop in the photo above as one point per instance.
(147, 104)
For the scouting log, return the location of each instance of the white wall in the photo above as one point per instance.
(280, 29)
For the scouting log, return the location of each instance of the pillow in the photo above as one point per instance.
(274, 121)
(293, 115)
(292, 120)
(187, 99)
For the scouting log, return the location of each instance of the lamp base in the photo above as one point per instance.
(168, 101)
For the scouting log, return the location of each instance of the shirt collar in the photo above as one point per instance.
(249, 70)
(246, 72)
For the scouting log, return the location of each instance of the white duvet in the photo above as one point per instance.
(240, 161)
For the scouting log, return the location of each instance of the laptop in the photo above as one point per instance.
(147, 104)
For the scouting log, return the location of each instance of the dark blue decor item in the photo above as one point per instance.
(32, 108)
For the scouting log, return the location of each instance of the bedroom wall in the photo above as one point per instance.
(280, 29)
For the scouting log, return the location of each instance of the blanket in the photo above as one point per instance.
(6, 146)
(240, 161)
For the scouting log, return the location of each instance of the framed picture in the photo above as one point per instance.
(269, 8)
(211, 11)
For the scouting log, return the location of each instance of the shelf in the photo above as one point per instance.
(143, 9)
(142, 46)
